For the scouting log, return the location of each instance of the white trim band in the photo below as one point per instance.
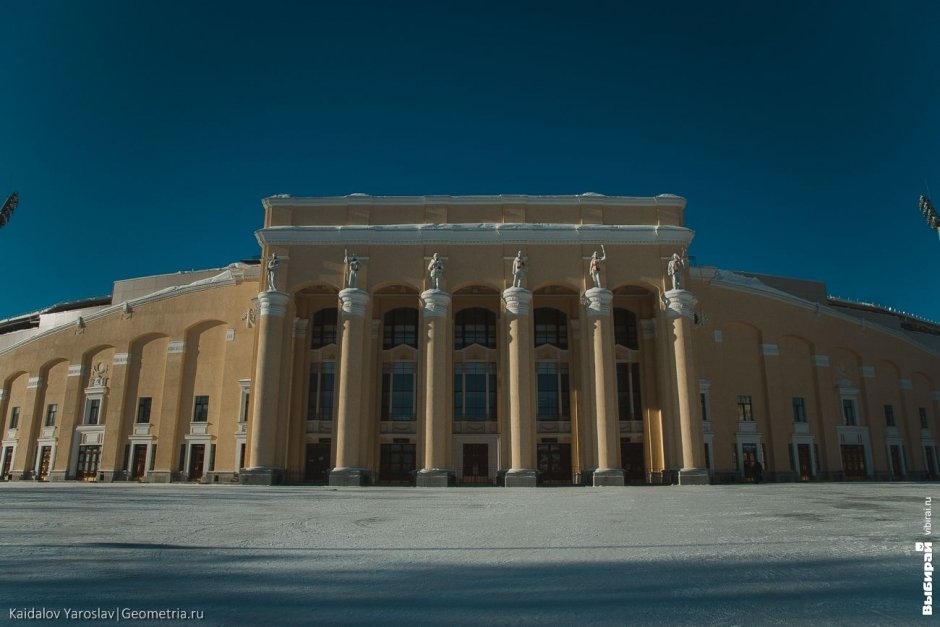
(474, 234)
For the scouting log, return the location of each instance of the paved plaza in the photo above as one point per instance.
(834, 553)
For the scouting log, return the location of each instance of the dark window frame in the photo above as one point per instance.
(551, 327)
(144, 407)
(400, 326)
(474, 325)
(201, 408)
(324, 328)
(52, 409)
(626, 328)
(745, 404)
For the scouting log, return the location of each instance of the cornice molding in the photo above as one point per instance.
(475, 234)
(756, 288)
(663, 200)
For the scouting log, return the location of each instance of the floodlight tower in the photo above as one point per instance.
(930, 214)
(6, 212)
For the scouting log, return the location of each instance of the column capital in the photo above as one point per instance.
(680, 303)
(354, 301)
(435, 303)
(273, 303)
(517, 300)
(597, 300)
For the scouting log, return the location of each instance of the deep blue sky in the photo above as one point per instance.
(141, 136)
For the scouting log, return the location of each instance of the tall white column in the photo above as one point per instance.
(350, 458)
(609, 471)
(681, 307)
(263, 468)
(435, 472)
(522, 473)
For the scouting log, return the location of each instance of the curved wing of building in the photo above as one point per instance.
(436, 340)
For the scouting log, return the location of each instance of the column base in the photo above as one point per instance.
(435, 478)
(521, 478)
(345, 477)
(608, 477)
(57, 475)
(261, 476)
(693, 476)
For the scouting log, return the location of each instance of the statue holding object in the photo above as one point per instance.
(436, 268)
(674, 270)
(519, 269)
(352, 270)
(595, 270)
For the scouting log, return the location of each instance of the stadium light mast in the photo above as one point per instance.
(6, 212)
(930, 214)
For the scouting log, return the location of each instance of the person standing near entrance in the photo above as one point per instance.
(758, 472)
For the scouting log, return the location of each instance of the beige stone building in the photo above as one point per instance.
(436, 340)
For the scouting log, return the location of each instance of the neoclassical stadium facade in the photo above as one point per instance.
(436, 341)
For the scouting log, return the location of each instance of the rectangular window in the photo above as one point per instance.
(628, 391)
(398, 391)
(745, 409)
(246, 405)
(51, 410)
(15, 418)
(92, 410)
(922, 412)
(475, 391)
(848, 412)
(143, 410)
(799, 409)
(321, 393)
(889, 416)
(703, 399)
(201, 409)
(553, 399)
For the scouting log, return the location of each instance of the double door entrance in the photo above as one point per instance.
(89, 456)
(45, 461)
(853, 461)
(139, 462)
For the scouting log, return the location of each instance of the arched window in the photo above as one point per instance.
(625, 330)
(323, 329)
(551, 327)
(474, 326)
(400, 327)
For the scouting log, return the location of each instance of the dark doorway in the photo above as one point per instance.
(88, 457)
(7, 462)
(853, 461)
(931, 462)
(317, 461)
(631, 456)
(397, 463)
(806, 464)
(897, 468)
(749, 453)
(45, 458)
(197, 460)
(555, 463)
(476, 464)
(140, 462)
